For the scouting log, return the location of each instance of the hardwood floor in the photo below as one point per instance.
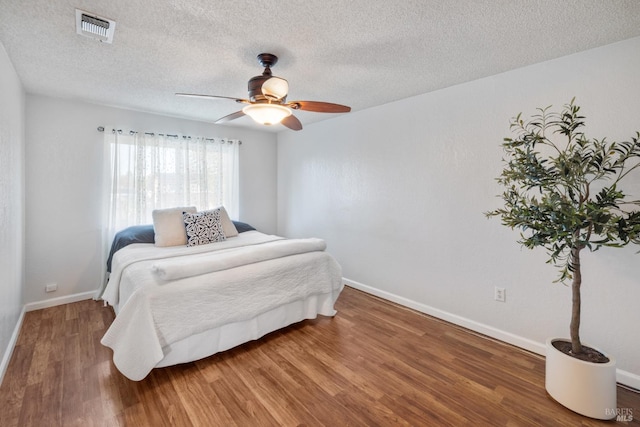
(374, 364)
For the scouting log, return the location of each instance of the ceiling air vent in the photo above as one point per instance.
(96, 27)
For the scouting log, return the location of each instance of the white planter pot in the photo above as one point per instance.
(584, 387)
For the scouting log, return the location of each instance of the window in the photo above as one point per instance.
(148, 171)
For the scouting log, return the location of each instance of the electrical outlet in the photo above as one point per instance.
(51, 287)
(500, 294)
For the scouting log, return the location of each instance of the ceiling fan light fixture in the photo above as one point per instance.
(275, 88)
(267, 114)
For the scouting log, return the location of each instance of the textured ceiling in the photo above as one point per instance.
(359, 53)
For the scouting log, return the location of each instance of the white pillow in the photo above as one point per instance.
(229, 229)
(168, 226)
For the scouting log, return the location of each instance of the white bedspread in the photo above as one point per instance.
(161, 301)
(139, 252)
(182, 267)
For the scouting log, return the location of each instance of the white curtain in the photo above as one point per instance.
(146, 171)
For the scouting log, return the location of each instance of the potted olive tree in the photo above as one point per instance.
(563, 192)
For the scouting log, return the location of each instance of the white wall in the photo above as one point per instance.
(12, 121)
(398, 191)
(64, 153)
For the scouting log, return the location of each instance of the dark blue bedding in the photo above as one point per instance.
(133, 234)
(145, 234)
(242, 226)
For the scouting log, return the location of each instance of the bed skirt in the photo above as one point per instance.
(230, 335)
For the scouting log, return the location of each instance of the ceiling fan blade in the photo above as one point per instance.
(230, 117)
(319, 107)
(292, 122)
(196, 95)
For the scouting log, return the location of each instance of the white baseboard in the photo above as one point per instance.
(623, 377)
(628, 379)
(59, 301)
(8, 352)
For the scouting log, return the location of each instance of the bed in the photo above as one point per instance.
(176, 304)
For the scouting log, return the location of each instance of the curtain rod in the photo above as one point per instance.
(133, 132)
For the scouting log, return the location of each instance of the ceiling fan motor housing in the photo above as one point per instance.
(267, 60)
(255, 87)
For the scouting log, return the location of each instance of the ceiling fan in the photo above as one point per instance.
(267, 103)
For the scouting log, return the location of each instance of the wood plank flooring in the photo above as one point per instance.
(374, 364)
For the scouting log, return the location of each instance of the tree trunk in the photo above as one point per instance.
(574, 328)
